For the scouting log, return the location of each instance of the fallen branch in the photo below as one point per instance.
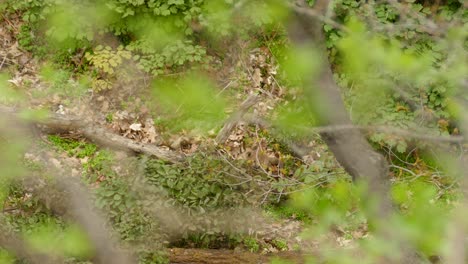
(207, 256)
(56, 123)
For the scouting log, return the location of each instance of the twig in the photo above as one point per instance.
(3, 61)
(420, 135)
(235, 118)
(304, 10)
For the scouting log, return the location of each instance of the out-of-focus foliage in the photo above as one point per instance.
(392, 72)
(169, 58)
(407, 77)
(108, 66)
(191, 100)
(69, 241)
(160, 34)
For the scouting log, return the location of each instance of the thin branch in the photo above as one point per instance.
(77, 203)
(303, 10)
(235, 118)
(406, 133)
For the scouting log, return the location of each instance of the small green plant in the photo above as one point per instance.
(6, 257)
(280, 244)
(60, 81)
(285, 210)
(153, 257)
(251, 244)
(107, 63)
(76, 148)
(169, 58)
(25, 38)
(109, 118)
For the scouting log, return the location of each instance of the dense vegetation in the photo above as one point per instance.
(172, 73)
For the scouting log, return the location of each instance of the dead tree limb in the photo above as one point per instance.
(56, 123)
(207, 256)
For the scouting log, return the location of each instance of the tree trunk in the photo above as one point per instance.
(350, 147)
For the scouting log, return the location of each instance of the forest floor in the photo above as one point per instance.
(247, 72)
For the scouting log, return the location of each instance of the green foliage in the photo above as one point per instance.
(60, 81)
(32, 210)
(134, 225)
(76, 148)
(300, 63)
(43, 231)
(378, 68)
(251, 244)
(54, 239)
(109, 118)
(169, 58)
(160, 33)
(158, 37)
(296, 118)
(95, 163)
(386, 13)
(202, 184)
(345, 205)
(75, 23)
(115, 196)
(6, 257)
(108, 63)
(25, 39)
(287, 210)
(421, 202)
(29, 8)
(152, 257)
(106, 60)
(334, 204)
(280, 244)
(191, 102)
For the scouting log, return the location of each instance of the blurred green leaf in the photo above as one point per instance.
(191, 102)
